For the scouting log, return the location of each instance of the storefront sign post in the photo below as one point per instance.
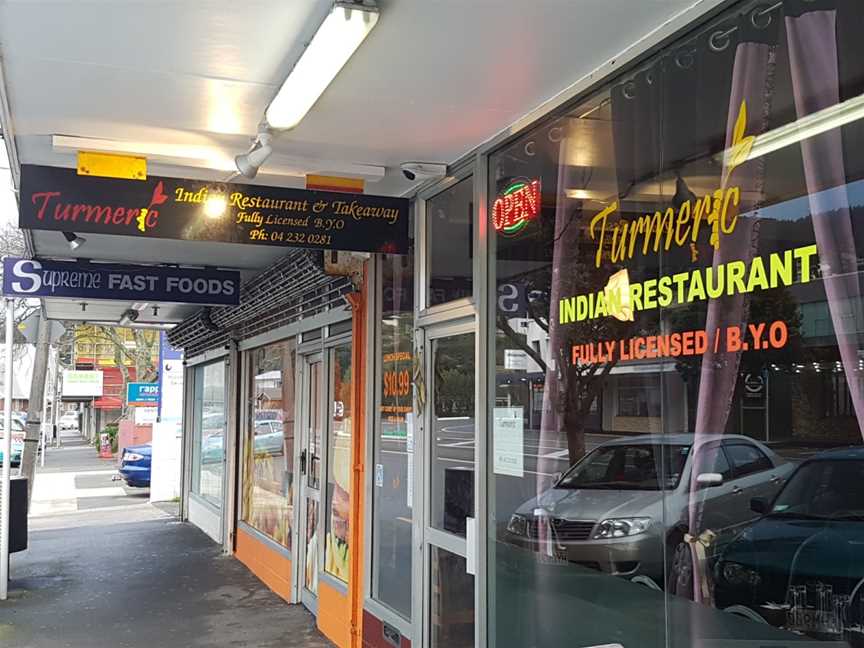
(7, 454)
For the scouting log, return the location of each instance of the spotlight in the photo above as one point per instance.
(74, 240)
(249, 163)
(215, 205)
(130, 315)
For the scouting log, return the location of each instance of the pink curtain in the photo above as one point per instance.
(816, 86)
(752, 78)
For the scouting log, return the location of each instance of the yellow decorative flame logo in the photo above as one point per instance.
(617, 294)
(738, 153)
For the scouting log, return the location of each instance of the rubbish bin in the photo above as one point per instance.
(18, 514)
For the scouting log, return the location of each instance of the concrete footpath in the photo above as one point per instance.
(128, 574)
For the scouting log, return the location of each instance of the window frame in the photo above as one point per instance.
(422, 259)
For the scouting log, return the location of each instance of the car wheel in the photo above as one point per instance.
(680, 577)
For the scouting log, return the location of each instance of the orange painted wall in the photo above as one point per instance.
(269, 565)
(334, 614)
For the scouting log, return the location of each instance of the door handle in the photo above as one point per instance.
(303, 462)
(775, 479)
(471, 545)
(736, 490)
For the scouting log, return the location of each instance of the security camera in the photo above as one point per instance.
(423, 170)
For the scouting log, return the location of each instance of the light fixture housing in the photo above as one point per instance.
(74, 240)
(249, 163)
(130, 315)
(343, 30)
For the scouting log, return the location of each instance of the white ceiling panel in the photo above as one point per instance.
(433, 80)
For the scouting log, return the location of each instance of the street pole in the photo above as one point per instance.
(43, 437)
(7, 454)
(54, 410)
(34, 409)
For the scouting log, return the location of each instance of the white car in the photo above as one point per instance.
(69, 421)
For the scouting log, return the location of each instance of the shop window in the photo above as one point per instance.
(209, 426)
(450, 241)
(339, 472)
(452, 471)
(392, 494)
(686, 246)
(268, 448)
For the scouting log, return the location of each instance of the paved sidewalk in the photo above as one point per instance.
(155, 584)
(131, 575)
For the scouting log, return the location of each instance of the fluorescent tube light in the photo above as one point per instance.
(338, 37)
(587, 194)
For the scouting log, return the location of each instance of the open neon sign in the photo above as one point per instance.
(516, 207)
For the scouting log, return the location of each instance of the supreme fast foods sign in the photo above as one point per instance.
(171, 208)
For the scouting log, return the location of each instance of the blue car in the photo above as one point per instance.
(135, 465)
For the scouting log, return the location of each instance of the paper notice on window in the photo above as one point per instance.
(508, 441)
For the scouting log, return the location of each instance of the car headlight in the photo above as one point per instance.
(737, 574)
(132, 456)
(621, 528)
(518, 525)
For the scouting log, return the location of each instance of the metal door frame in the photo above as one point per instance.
(304, 596)
(425, 533)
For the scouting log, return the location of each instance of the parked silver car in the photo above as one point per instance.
(627, 501)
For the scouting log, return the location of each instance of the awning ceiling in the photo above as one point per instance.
(433, 80)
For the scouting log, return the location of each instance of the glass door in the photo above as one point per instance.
(449, 459)
(312, 433)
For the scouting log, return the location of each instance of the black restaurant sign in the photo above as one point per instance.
(173, 208)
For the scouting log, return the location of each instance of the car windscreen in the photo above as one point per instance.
(823, 489)
(640, 466)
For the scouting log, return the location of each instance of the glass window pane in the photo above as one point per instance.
(449, 228)
(783, 380)
(310, 569)
(453, 432)
(339, 472)
(392, 505)
(451, 600)
(268, 480)
(313, 449)
(209, 425)
(573, 398)
(692, 276)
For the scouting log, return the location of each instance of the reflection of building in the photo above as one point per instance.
(119, 353)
